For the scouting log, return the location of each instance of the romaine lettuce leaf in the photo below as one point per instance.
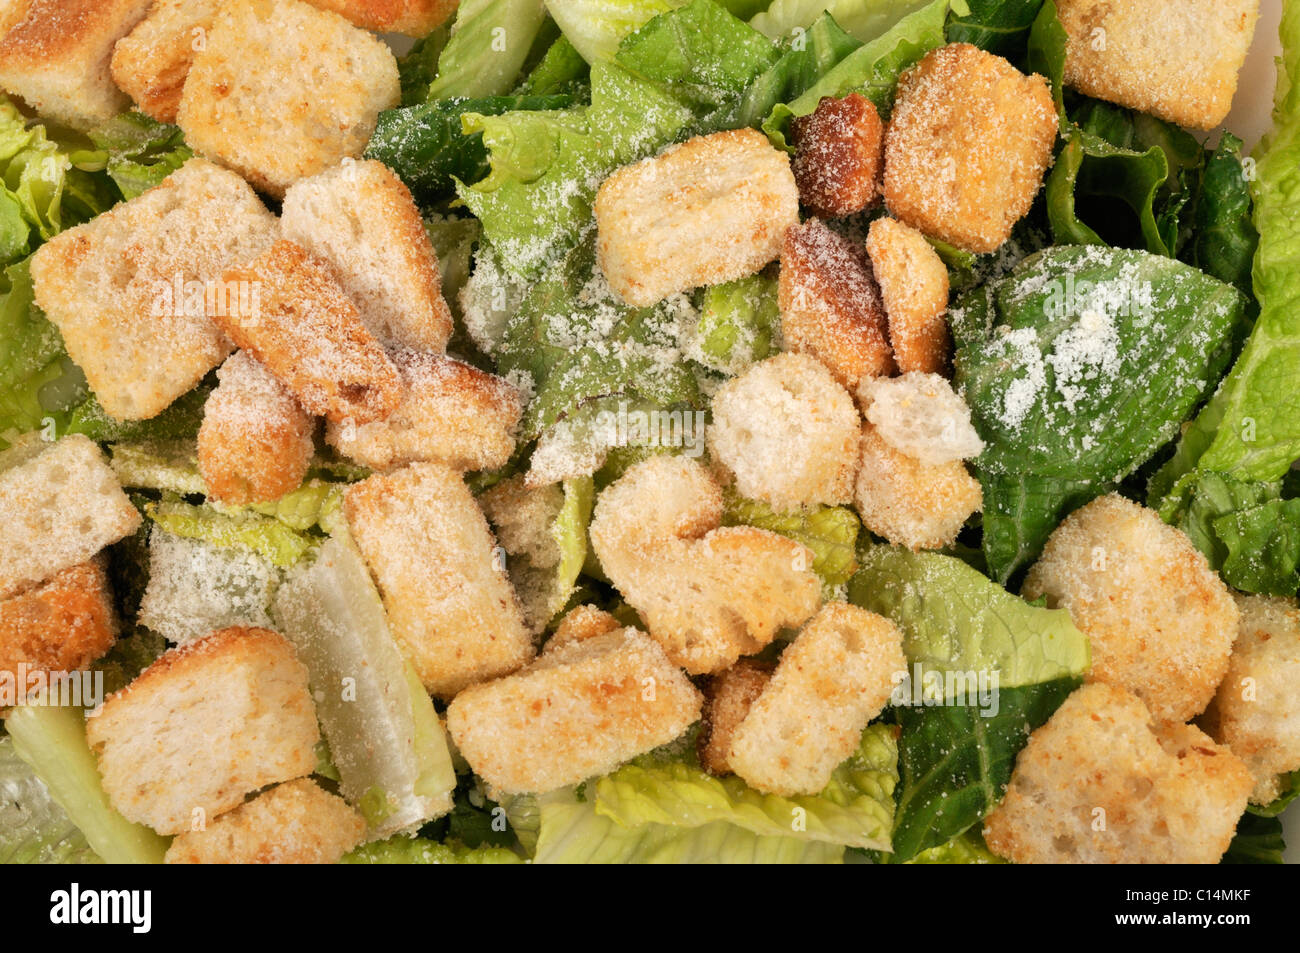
(560, 71)
(171, 465)
(596, 27)
(417, 69)
(1258, 841)
(264, 535)
(400, 849)
(864, 20)
(141, 152)
(489, 42)
(739, 324)
(1263, 547)
(999, 26)
(1224, 238)
(33, 828)
(831, 532)
(180, 421)
(967, 848)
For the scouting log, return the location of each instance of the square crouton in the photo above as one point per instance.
(579, 624)
(834, 677)
(55, 55)
(967, 146)
(58, 508)
(133, 290)
(281, 91)
(712, 209)
(913, 283)
(1178, 61)
(151, 62)
(1098, 784)
(202, 727)
(360, 218)
(578, 711)
(62, 625)
(409, 17)
(302, 328)
(292, 823)
(449, 601)
(728, 697)
(839, 154)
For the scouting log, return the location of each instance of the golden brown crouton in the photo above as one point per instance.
(578, 711)
(830, 306)
(709, 210)
(202, 727)
(788, 432)
(922, 416)
(292, 823)
(151, 62)
(1178, 61)
(579, 624)
(303, 329)
(1100, 784)
(968, 143)
(1160, 620)
(62, 625)
(914, 288)
(839, 155)
(833, 678)
(410, 17)
(728, 697)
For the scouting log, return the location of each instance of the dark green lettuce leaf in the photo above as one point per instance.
(999, 26)
(141, 151)
(1258, 841)
(560, 72)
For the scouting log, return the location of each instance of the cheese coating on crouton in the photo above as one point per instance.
(579, 624)
(449, 602)
(728, 697)
(922, 416)
(202, 727)
(707, 595)
(578, 711)
(830, 305)
(833, 678)
(1256, 710)
(839, 155)
(151, 62)
(1178, 61)
(1160, 620)
(410, 17)
(292, 823)
(788, 432)
(62, 625)
(255, 442)
(914, 288)
(968, 143)
(1100, 784)
(450, 413)
(712, 209)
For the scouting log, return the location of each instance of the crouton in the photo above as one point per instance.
(839, 151)
(360, 218)
(448, 599)
(709, 210)
(830, 306)
(728, 697)
(1160, 620)
(1177, 61)
(303, 329)
(450, 413)
(922, 416)
(1099, 784)
(788, 432)
(913, 504)
(62, 625)
(524, 519)
(914, 288)
(255, 442)
(133, 290)
(578, 711)
(707, 595)
(968, 143)
(55, 55)
(409, 17)
(151, 62)
(203, 726)
(281, 91)
(58, 509)
(579, 624)
(292, 823)
(1256, 711)
(833, 678)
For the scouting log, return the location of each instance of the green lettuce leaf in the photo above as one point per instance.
(596, 27)
(1224, 238)
(1290, 787)
(417, 69)
(560, 71)
(489, 42)
(180, 421)
(171, 465)
(1258, 841)
(999, 26)
(417, 850)
(864, 20)
(831, 532)
(739, 324)
(141, 151)
(266, 536)
(33, 828)
(1263, 548)
(967, 848)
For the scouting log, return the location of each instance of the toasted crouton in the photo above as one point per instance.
(360, 218)
(62, 625)
(281, 91)
(292, 823)
(914, 288)
(151, 62)
(303, 329)
(913, 504)
(410, 17)
(133, 290)
(58, 508)
(1177, 61)
(202, 727)
(788, 432)
(579, 624)
(1160, 620)
(578, 711)
(707, 595)
(712, 209)
(1256, 710)
(1099, 784)
(524, 518)
(451, 413)
(922, 416)
(968, 143)
(255, 442)
(55, 55)
(833, 679)
(449, 601)
(839, 155)
(830, 306)
(728, 697)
